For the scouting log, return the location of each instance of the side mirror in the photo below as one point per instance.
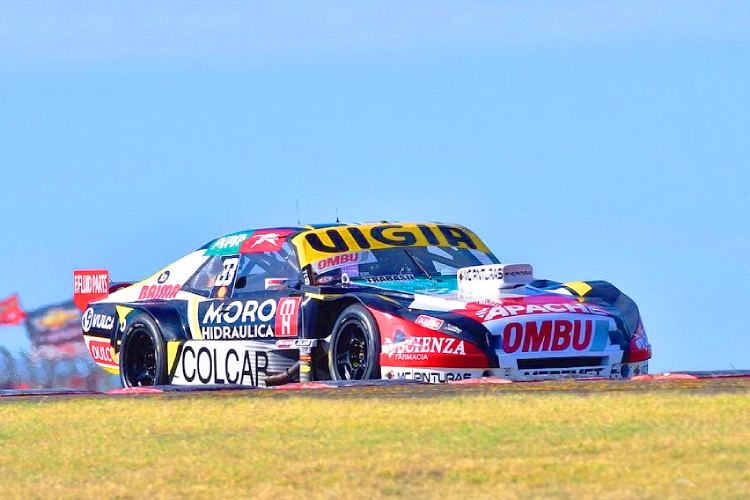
(241, 282)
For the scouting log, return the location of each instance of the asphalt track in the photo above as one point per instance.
(694, 382)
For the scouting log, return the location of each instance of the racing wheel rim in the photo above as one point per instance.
(351, 360)
(140, 359)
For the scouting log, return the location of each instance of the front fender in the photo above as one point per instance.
(455, 340)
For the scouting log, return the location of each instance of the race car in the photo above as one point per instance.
(415, 301)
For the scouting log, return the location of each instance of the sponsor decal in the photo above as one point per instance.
(495, 272)
(597, 371)
(488, 280)
(209, 365)
(414, 345)
(504, 311)
(149, 292)
(452, 328)
(242, 311)
(229, 269)
(163, 277)
(480, 273)
(518, 273)
(343, 239)
(239, 319)
(101, 352)
(389, 277)
(270, 240)
(227, 244)
(90, 320)
(431, 376)
(419, 348)
(286, 317)
(87, 319)
(346, 260)
(555, 335)
(88, 286)
(295, 343)
(429, 322)
(319, 243)
(274, 283)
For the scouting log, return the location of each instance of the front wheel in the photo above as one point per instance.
(142, 354)
(355, 346)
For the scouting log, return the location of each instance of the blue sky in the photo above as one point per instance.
(590, 139)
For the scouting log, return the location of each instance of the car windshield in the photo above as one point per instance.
(397, 263)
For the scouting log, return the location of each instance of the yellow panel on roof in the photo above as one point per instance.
(320, 243)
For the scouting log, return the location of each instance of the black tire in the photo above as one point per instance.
(143, 360)
(354, 352)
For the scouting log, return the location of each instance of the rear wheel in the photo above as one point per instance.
(355, 346)
(142, 354)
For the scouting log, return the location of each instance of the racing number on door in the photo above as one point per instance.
(226, 278)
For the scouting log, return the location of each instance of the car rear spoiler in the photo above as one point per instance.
(90, 285)
(114, 286)
(93, 284)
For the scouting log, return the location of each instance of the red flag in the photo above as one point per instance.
(10, 311)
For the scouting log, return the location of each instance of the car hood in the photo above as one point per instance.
(442, 295)
(524, 321)
(444, 286)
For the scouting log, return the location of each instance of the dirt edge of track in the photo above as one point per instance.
(697, 382)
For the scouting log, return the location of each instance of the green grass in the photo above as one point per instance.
(481, 442)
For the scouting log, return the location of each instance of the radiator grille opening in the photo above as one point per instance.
(573, 362)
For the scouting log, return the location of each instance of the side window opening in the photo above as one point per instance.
(204, 280)
(266, 270)
(246, 273)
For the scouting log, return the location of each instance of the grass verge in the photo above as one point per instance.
(481, 442)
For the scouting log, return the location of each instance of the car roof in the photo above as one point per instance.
(297, 229)
(344, 238)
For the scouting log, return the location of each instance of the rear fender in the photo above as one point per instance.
(167, 316)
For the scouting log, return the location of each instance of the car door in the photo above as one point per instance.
(251, 298)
